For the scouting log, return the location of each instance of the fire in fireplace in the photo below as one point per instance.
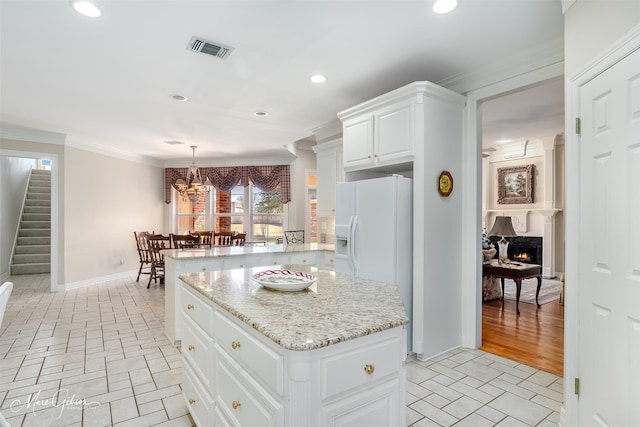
(523, 248)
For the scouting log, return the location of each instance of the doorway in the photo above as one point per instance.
(49, 161)
(524, 129)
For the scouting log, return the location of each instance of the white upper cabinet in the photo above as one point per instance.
(329, 171)
(358, 151)
(384, 131)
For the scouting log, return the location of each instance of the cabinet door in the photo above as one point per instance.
(327, 162)
(394, 134)
(377, 407)
(357, 143)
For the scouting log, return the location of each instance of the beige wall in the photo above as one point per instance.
(106, 199)
(591, 26)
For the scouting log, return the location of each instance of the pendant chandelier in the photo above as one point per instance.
(193, 188)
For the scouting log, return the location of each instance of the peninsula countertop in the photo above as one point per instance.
(336, 308)
(227, 251)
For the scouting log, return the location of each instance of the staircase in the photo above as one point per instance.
(33, 248)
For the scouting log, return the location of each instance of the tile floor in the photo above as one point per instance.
(98, 356)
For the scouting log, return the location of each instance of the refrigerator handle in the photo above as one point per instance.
(350, 243)
(352, 237)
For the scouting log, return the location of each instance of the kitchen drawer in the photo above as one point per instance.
(303, 258)
(358, 367)
(329, 261)
(196, 309)
(197, 348)
(263, 363)
(239, 402)
(200, 404)
(245, 261)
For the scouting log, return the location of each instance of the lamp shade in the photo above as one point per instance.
(503, 227)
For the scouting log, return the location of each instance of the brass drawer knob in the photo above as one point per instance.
(204, 268)
(235, 404)
(241, 265)
(369, 369)
(192, 401)
(191, 348)
(189, 306)
(235, 345)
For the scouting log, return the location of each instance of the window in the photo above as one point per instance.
(229, 211)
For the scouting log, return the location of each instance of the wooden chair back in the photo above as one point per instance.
(156, 243)
(238, 239)
(181, 241)
(222, 238)
(205, 238)
(143, 253)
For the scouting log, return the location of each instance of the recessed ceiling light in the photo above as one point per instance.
(177, 97)
(261, 113)
(444, 6)
(173, 142)
(318, 78)
(86, 8)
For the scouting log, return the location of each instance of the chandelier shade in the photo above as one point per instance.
(192, 188)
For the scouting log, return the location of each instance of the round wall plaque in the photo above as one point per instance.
(445, 183)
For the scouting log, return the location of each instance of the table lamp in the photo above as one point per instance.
(503, 227)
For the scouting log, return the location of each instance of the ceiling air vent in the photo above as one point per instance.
(210, 48)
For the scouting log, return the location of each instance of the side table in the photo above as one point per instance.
(517, 272)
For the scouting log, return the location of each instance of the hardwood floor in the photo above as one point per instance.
(535, 338)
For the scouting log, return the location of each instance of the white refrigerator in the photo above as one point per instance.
(374, 234)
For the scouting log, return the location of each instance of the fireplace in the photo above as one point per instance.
(522, 248)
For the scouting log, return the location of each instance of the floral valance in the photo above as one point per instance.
(265, 178)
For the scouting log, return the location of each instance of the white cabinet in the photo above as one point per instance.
(248, 380)
(329, 171)
(381, 137)
(384, 131)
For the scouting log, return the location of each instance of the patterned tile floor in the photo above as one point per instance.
(98, 356)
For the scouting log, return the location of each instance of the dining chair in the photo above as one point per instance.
(293, 237)
(156, 243)
(238, 239)
(222, 238)
(205, 238)
(182, 241)
(143, 253)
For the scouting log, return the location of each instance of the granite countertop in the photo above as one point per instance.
(336, 308)
(224, 251)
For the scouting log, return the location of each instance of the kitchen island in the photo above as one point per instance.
(329, 355)
(179, 261)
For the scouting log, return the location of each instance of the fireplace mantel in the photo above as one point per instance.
(525, 225)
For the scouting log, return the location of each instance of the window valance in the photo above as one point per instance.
(265, 178)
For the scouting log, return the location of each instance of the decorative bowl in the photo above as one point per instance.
(284, 280)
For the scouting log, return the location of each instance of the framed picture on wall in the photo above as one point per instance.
(515, 185)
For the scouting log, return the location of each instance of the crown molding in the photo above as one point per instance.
(112, 152)
(566, 4)
(20, 133)
(545, 57)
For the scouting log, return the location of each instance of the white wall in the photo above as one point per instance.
(305, 161)
(14, 175)
(106, 200)
(591, 26)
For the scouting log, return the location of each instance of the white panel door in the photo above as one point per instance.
(609, 282)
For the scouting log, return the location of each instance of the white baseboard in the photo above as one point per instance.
(96, 280)
(421, 357)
